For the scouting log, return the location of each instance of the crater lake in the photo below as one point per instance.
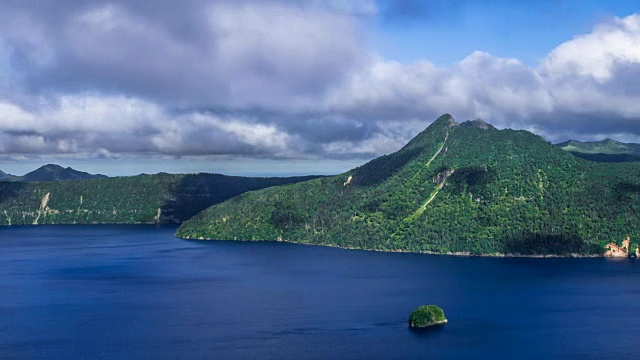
(119, 291)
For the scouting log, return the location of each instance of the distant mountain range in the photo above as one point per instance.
(607, 150)
(51, 172)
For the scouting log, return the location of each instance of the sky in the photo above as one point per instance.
(284, 87)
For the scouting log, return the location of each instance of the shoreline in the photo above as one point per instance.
(460, 254)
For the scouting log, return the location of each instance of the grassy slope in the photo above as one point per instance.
(133, 199)
(509, 192)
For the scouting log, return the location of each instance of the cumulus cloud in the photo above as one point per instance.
(480, 85)
(279, 79)
(595, 55)
(231, 54)
(102, 125)
(586, 86)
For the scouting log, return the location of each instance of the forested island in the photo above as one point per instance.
(426, 316)
(456, 188)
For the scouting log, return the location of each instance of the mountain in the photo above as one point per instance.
(454, 188)
(5, 177)
(159, 198)
(52, 172)
(607, 150)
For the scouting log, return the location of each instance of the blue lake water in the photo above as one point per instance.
(120, 292)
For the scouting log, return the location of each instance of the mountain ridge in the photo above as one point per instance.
(451, 189)
(51, 172)
(607, 150)
(4, 176)
(159, 198)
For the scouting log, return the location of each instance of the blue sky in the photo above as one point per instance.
(281, 87)
(444, 32)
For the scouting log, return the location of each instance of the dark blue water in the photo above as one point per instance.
(137, 292)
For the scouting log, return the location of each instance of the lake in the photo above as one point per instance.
(118, 292)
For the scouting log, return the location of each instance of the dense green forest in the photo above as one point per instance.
(455, 188)
(160, 198)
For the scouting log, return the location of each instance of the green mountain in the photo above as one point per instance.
(454, 188)
(160, 198)
(52, 172)
(603, 151)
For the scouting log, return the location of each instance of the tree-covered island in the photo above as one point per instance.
(426, 316)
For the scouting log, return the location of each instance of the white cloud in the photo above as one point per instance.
(282, 79)
(214, 54)
(81, 113)
(597, 54)
(273, 52)
(205, 134)
(479, 86)
(107, 125)
(591, 77)
(262, 136)
(385, 82)
(15, 119)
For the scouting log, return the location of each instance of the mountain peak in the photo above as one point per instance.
(54, 172)
(439, 128)
(611, 141)
(445, 119)
(478, 123)
(51, 167)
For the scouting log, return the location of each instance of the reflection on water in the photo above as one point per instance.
(138, 292)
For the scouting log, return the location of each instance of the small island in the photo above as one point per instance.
(426, 316)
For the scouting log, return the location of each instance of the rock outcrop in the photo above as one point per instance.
(613, 250)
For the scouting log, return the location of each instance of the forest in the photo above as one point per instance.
(158, 198)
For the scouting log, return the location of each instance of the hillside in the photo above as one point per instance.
(454, 188)
(160, 198)
(603, 151)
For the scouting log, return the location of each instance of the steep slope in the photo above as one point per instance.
(454, 188)
(160, 198)
(52, 172)
(607, 150)
(5, 177)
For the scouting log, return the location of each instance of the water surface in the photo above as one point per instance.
(138, 292)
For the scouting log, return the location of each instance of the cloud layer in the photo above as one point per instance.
(279, 79)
